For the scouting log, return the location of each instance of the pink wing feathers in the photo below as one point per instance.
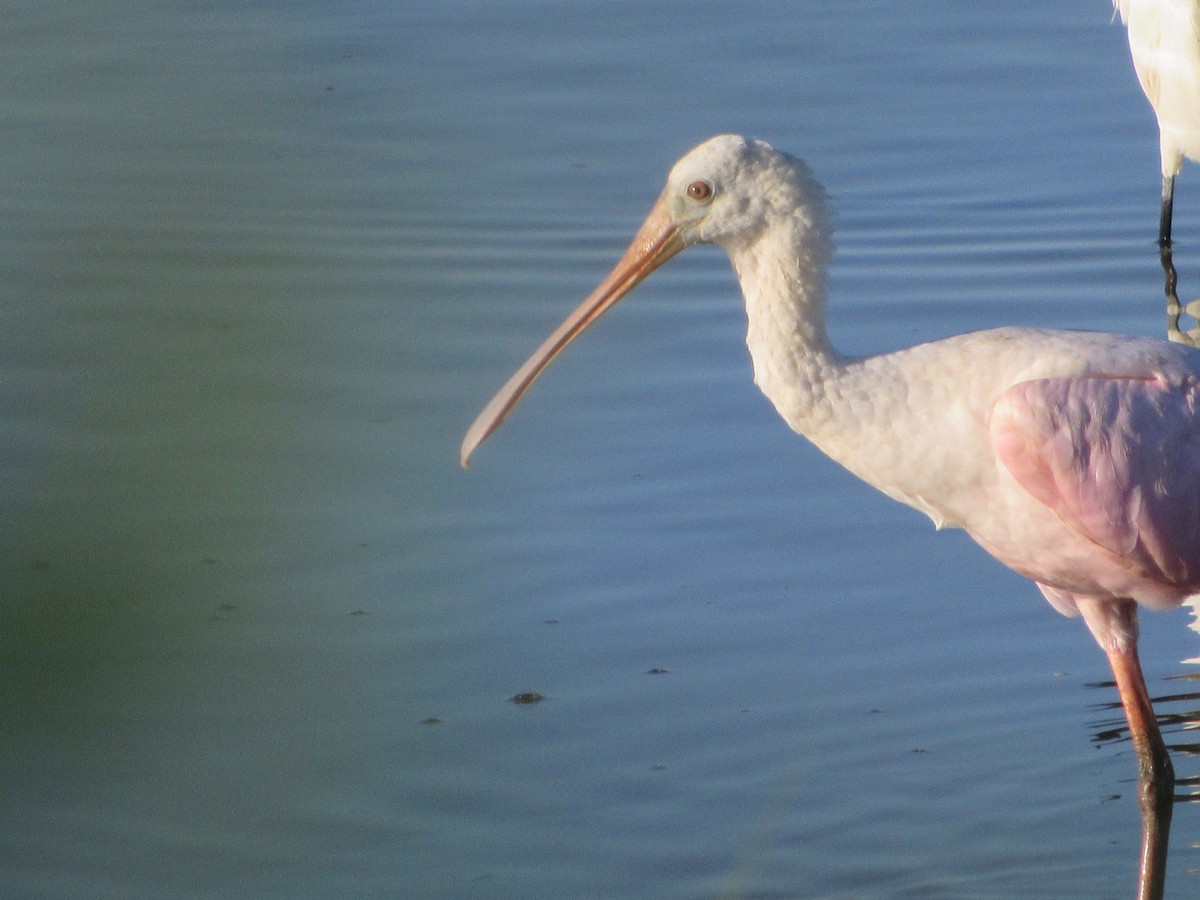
(1117, 459)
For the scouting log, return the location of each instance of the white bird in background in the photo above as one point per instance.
(1071, 457)
(1164, 41)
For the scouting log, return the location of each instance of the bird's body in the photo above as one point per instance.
(1164, 42)
(943, 428)
(1071, 457)
(922, 426)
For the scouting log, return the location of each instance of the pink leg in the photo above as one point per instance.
(1156, 776)
(1114, 624)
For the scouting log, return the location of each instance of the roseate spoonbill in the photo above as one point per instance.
(1164, 41)
(1071, 457)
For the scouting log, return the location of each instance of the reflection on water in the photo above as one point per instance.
(1177, 327)
(1178, 716)
(1182, 721)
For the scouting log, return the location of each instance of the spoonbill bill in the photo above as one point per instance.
(1164, 41)
(1072, 457)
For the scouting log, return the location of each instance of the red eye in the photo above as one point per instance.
(700, 191)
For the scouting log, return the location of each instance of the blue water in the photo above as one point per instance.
(259, 634)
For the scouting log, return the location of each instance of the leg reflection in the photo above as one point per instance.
(1174, 308)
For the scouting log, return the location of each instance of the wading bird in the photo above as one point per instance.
(1164, 41)
(1071, 457)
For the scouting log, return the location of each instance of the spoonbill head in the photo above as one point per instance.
(728, 191)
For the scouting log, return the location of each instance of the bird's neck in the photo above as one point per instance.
(782, 275)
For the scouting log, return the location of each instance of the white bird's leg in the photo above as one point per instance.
(1156, 776)
(1168, 201)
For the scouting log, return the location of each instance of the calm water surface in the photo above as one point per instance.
(263, 262)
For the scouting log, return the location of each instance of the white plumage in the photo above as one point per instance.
(1164, 41)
